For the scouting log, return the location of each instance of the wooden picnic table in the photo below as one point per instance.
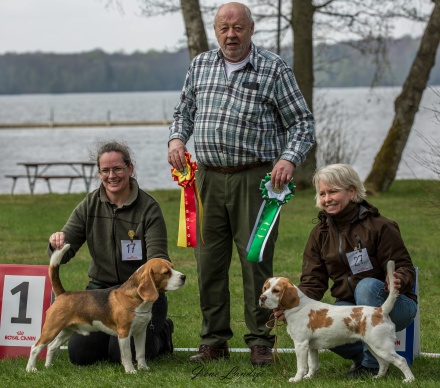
(39, 170)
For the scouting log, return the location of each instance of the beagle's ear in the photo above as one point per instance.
(147, 289)
(290, 297)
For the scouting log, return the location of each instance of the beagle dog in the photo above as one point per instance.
(122, 312)
(315, 325)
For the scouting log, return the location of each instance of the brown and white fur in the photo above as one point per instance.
(315, 325)
(122, 312)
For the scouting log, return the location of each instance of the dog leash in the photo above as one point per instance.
(276, 355)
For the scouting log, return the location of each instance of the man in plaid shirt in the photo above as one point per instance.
(248, 117)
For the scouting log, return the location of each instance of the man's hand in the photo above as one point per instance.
(176, 154)
(282, 173)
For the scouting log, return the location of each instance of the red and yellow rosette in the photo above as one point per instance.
(188, 212)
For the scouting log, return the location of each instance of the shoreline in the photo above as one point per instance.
(85, 124)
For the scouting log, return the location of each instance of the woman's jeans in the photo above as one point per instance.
(371, 292)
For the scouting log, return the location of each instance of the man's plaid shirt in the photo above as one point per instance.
(258, 114)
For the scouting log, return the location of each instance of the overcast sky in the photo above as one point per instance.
(71, 26)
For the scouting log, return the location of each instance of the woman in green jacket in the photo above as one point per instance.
(123, 227)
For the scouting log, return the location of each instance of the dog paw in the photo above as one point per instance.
(143, 367)
(31, 369)
(131, 371)
(409, 380)
(294, 380)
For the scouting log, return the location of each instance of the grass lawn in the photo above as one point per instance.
(27, 221)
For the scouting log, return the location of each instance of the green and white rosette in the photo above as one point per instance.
(273, 200)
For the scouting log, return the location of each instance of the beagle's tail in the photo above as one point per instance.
(54, 269)
(389, 303)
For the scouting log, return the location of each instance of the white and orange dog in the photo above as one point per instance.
(315, 325)
(122, 312)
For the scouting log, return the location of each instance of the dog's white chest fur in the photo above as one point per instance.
(140, 321)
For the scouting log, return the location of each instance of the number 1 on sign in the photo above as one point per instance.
(23, 289)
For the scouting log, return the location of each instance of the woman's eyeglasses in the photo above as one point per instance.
(117, 170)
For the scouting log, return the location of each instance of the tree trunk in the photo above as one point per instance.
(302, 27)
(194, 26)
(406, 106)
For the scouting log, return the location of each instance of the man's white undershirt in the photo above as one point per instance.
(232, 66)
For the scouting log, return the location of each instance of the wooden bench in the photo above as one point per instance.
(47, 178)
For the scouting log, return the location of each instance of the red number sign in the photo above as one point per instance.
(25, 295)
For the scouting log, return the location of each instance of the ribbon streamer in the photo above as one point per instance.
(273, 200)
(187, 235)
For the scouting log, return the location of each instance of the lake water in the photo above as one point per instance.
(365, 115)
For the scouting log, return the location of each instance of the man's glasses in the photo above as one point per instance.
(117, 170)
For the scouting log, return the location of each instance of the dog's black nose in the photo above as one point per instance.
(183, 277)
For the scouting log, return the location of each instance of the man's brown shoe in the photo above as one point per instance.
(210, 353)
(261, 355)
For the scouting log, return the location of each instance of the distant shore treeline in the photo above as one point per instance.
(337, 65)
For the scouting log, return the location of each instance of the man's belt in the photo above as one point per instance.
(235, 169)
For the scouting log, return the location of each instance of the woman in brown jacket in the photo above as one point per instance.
(351, 245)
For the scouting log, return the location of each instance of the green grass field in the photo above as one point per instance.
(27, 221)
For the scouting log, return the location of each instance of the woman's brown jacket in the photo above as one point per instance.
(356, 226)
